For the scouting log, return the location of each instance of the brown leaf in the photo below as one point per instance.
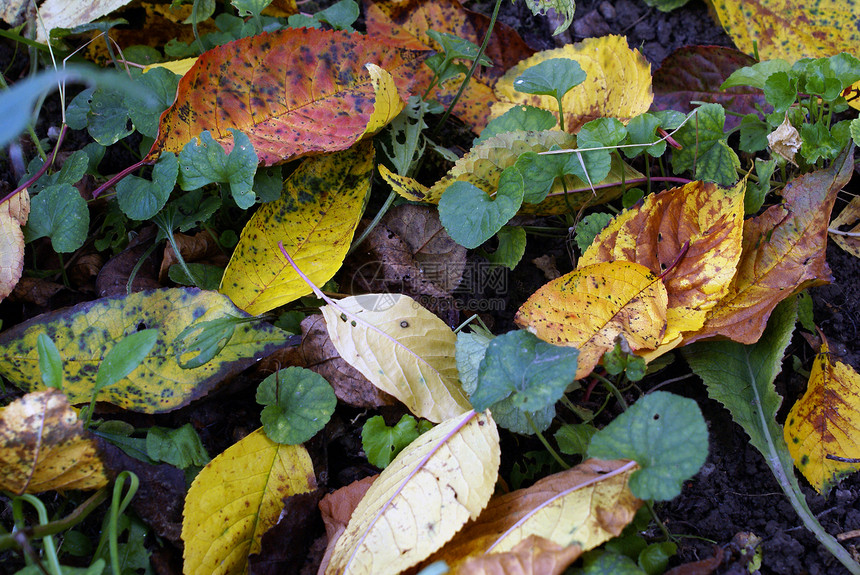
(201, 246)
(849, 216)
(35, 290)
(284, 547)
(703, 567)
(85, 269)
(114, 276)
(337, 508)
(532, 556)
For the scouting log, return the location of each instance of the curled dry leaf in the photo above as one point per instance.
(43, 447)
(823, 426)
(586, 505)
(13, 215)
(591, 306)
(785, 140)
(440, 481)
(849, 216)
(617, 85)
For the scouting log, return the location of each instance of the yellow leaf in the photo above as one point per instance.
(826, 422)
(790, 29)
(403, 349)
(13, 215)
(178, 67)
(693, 233)
(591, 306)
(388, 101)
(236, 498)
(86, 332)
(405, 186)
(617, 85)
(849, 216)
(315, 218)
(44, 447)
(586, 505)
(440, 481)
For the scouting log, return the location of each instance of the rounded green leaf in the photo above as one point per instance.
(60, 213)
(553, 77)
(518, 118)
(299, 402)
(382, 443)
(139, 198)
(665, 434)
(125, 357)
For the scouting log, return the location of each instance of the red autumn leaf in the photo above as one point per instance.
(294, 92)
(695, 73)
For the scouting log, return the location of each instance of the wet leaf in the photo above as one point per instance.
(825, 423)
(451, 470)
(617, 84)
(259, 85)
(591, 306)
(206, 162)
(43, 446)
(315, 218)
(86, 332)
(586, 505)
(298, 403)
(403, 348)
(236, 498)
(783, 252)
(665, 434)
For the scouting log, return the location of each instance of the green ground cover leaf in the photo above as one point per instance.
(665, 434)
(50, 362)
(470, 349)
(179, 447)
(86, 332)
(145, 112)
(108, 121)
(205, 162)
(382, 443)
(705, 147)
(518, 118)
(589, 227)
(512, 247)
(298, 403)
(643, 130)
(563, 8)
(573, 438)
(139, 198)
(554, 77)
(61, 214)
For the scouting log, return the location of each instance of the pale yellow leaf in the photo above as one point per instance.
(403, 349)
(71, 13)
(848, 239)
(440, 481)
(236, 498)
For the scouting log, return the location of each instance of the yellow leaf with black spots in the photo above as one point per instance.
(85, 333)
(315, 218)
(43, 447)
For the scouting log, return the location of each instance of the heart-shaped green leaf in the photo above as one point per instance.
(139, 198)
(553, 77)
(207, 162)
(299, 402)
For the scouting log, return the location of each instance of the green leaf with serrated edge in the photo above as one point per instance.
(340, 15)
(298, 403)
(821, 80)
(139, 198)
(756, 191)
(470, 350)
(59, 213)
(178, 447)
(471, 217)
(518, 118)
(72, 171)
(382, 443)
(654, 559)
(602, 132)
(563, 8)
(161, 85)
(250, 7)
(818, 142)
(206, 162)
(780, 91)
(754, 133)
(573, 438)
(554, 77)
(588, 228)
(533, 373)
(124, 357)
(601, 562)
(643, 130)
(741, 378)
(50, 362)
(705, 147)
(208, 276)
(197, 344)
(755, 75)
(85, 332)
(665, 434)
(107, 120)
(512, 247)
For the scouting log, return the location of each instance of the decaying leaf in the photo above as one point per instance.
(13, 215)
(531, 556)
(693, 234)
(849, 216)
(86, 332)
(440, 481)
(618, 83)
(71, 13)
(43, 446)
(404, 349)
(586, 505)
(260, 85)
(591, 306)
(822, 428)
(783, 253)
(785, 140)
(314, 218)
(236, 498)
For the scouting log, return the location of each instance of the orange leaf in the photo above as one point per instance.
(783, 253)
(694, 232)
(590, 307)
(532, 556)
(294, 92)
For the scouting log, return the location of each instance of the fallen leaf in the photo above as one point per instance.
(783, 253)
(790, 29)
(36, 291)
(404, 349)
(785, 140)
(114, 276)
(693, 235)
(440, 481)
(586, 505)
(315, 218)
(200, 246)
(825, 423)
(618, 83)
(13, 215)
(236, 498)
(43, 447)
(593, 305)
(72, 13)
(13, 12)
(531, 556)
(259, 85)
(849, 216)
(86, 332)
(284, 547)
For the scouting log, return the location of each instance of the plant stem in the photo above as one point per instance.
(376, 219)
(612, 389)
(7, 540)
(650, 505)
(546, 444)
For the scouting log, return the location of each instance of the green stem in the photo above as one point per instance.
(179, 258)
(376, 219)
(137, 267)
(7, 540)
(612, 389)
(546, 444)
(650, 505)
(50, 548)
